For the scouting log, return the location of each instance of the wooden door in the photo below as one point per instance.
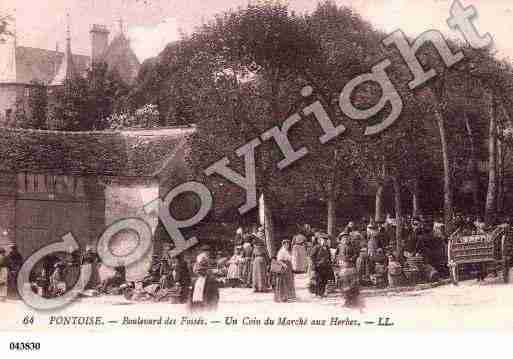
(39, 223)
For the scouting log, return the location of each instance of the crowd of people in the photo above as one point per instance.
(364, 253)
(53, 275)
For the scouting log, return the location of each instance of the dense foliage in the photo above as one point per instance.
(242, 73)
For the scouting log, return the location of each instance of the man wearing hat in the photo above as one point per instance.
(364, 266)
(321, 260)
(347, 250)
(204, 253)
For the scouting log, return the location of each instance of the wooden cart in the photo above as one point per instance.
(492, 249)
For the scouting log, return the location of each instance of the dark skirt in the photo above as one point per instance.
(259, 274)
(284, 289)
(210, 296)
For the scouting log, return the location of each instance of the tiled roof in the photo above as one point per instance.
(120, 56)
(119, 153)
(34, 64)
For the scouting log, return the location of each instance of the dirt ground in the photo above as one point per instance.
(470, 305)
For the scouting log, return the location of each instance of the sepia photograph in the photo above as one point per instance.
(268, 166)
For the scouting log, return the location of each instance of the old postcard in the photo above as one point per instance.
(267, 166)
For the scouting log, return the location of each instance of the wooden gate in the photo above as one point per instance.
(47, 208)
(39, 223)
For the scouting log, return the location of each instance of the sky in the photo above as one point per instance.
(151, 24)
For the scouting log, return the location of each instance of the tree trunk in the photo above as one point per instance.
(448, 195)
(380, 196)
(474, 171)
(331, 215)
(491, 196)
(500, 167)
(266, 220)
(332, 196)
(415, 198)
(502, 148)
(398, 216)
(380, 203)
(272, 243)
(438, 93)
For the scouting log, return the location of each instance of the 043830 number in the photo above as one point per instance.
(24, 346)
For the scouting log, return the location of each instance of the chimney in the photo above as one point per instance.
(99, 41)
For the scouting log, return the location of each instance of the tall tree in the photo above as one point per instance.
(106, 94)
(38, 105)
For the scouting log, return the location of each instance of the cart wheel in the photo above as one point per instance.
(454, 274)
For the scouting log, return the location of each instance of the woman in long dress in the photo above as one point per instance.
(57, 283)
(235, 268)
(349, 284)
(92, 258)
(4, 272)
(247, 255)
(259, 269)
(284, 290)
(299, 263)
(205, 288)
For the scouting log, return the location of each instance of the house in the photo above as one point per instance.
(22, 67)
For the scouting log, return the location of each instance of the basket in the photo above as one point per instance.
(169, 295)
(331, 287)
(277, 267)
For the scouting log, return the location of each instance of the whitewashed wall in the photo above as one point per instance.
(125, 200)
